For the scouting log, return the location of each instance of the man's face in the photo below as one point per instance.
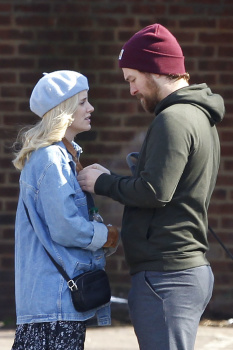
(144, 87)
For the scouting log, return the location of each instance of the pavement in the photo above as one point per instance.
(123, 338)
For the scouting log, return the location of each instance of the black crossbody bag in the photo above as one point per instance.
(89, 290)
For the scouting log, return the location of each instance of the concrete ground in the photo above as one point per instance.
(123, 338)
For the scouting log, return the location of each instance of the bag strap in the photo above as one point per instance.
(90, 204)
(70, 148)
(70, 282)
(73, 152)
(220, 242)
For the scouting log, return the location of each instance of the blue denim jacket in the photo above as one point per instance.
(58, 211)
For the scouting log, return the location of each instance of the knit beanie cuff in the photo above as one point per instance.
(150, 62)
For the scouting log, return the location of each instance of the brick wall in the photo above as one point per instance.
(41, 36)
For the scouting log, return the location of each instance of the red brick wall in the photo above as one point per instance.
(42, 36)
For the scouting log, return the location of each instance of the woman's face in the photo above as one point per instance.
(82, 115)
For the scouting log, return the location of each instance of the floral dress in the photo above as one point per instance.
(64, 335)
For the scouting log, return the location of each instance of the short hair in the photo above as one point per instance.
(184, 76)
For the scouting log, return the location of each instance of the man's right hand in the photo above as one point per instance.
(88, 176)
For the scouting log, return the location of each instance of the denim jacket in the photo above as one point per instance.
(60, 222)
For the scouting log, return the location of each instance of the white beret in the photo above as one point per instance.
(54, 88)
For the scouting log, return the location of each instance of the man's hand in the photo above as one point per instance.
(88, 176)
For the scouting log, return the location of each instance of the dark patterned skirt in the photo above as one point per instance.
(63, 335)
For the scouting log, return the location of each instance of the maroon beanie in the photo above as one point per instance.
(153, 50)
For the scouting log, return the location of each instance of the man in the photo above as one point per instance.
(164, 227)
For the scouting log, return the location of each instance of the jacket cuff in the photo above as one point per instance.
(103, 184)
(99, 238)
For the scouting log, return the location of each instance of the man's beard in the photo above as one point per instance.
(150, 100)
(147, 103)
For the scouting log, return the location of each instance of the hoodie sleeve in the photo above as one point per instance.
(168, 146)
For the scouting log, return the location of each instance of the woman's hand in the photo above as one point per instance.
(113, 237)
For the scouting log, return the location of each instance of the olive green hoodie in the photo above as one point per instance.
(165, 221)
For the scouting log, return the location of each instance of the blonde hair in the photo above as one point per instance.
(50, 129)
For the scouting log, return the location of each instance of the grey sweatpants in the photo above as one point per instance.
(166, 307)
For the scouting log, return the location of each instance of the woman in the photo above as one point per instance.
(52, 213)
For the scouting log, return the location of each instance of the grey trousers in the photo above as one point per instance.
(166, 307)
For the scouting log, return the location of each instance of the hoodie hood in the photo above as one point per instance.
(200, 96)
